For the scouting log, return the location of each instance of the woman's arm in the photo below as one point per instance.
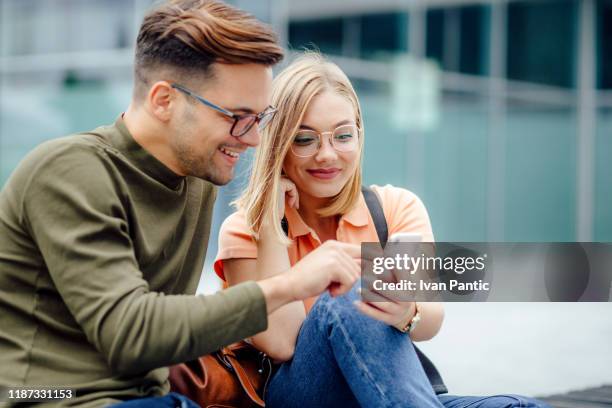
(333, 267)
(278, 341)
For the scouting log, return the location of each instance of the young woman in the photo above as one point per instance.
(335, 351)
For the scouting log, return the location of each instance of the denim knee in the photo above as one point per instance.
(346, 299)
(342, 306)
(330, 312)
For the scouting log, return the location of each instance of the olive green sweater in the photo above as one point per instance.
(101, 252)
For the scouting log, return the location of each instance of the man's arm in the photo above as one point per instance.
(74, 213)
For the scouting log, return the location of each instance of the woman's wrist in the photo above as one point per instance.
(408, 323)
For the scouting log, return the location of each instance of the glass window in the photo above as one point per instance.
(602, 222)
(49, 26)
(542, 42)
(457, 38)
(473, 54)
(604, 48)
(435, 35)
(383, 32)
(540, 181)
(325, 34)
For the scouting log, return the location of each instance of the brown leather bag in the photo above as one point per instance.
(235, 376)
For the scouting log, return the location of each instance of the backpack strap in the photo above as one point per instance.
(378, 216)
(285, 226)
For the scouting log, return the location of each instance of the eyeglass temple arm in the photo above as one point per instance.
(204, 101)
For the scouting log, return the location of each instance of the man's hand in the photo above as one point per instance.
(334, 266)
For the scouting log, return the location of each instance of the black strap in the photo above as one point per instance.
(285, 226)
(378, 216)
(382, 230)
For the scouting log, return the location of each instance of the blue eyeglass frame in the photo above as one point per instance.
(269, 112)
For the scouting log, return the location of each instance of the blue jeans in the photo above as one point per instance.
(172, 400)
(346, 359)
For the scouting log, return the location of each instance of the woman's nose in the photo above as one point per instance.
(326, 150)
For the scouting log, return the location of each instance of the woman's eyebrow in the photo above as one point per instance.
(342, 122)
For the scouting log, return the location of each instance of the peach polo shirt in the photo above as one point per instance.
(403, 210)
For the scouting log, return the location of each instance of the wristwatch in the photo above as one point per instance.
(412, 323)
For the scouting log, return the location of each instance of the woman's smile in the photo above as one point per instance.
(324, 173)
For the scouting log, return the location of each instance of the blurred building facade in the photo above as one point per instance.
(497, 113)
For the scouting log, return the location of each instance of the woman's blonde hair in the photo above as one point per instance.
(293, 90)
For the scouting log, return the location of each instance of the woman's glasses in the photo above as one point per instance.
(344, 139)
(242, 123)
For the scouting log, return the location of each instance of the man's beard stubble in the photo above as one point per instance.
(202, 167)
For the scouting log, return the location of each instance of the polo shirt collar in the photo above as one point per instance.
(297, 226)
(358, 216)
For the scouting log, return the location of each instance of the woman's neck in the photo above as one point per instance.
(325, 227)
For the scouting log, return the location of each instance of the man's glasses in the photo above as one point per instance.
(308, 142)
(242, 123)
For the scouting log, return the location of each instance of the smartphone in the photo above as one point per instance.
(406, 237)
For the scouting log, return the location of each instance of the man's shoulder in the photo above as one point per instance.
(82, 153)
(79, 144)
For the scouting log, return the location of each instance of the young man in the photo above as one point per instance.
(103, 234)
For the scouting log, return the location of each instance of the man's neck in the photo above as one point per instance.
(152, 137)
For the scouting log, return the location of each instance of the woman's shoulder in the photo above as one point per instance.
(404, 211)
(237, 217)
(235, 241)
(391, 196)
(235, 224)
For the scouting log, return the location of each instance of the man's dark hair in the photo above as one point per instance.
(182, 38)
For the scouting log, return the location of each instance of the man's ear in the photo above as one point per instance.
(161, 100)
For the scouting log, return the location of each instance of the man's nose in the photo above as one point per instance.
(252, 138)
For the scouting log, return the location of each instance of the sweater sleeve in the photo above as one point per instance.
(73, 208)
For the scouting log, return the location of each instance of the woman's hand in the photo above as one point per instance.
(393, 313)
(288, 196)
(398, 314)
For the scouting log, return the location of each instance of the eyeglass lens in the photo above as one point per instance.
(343, 139)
